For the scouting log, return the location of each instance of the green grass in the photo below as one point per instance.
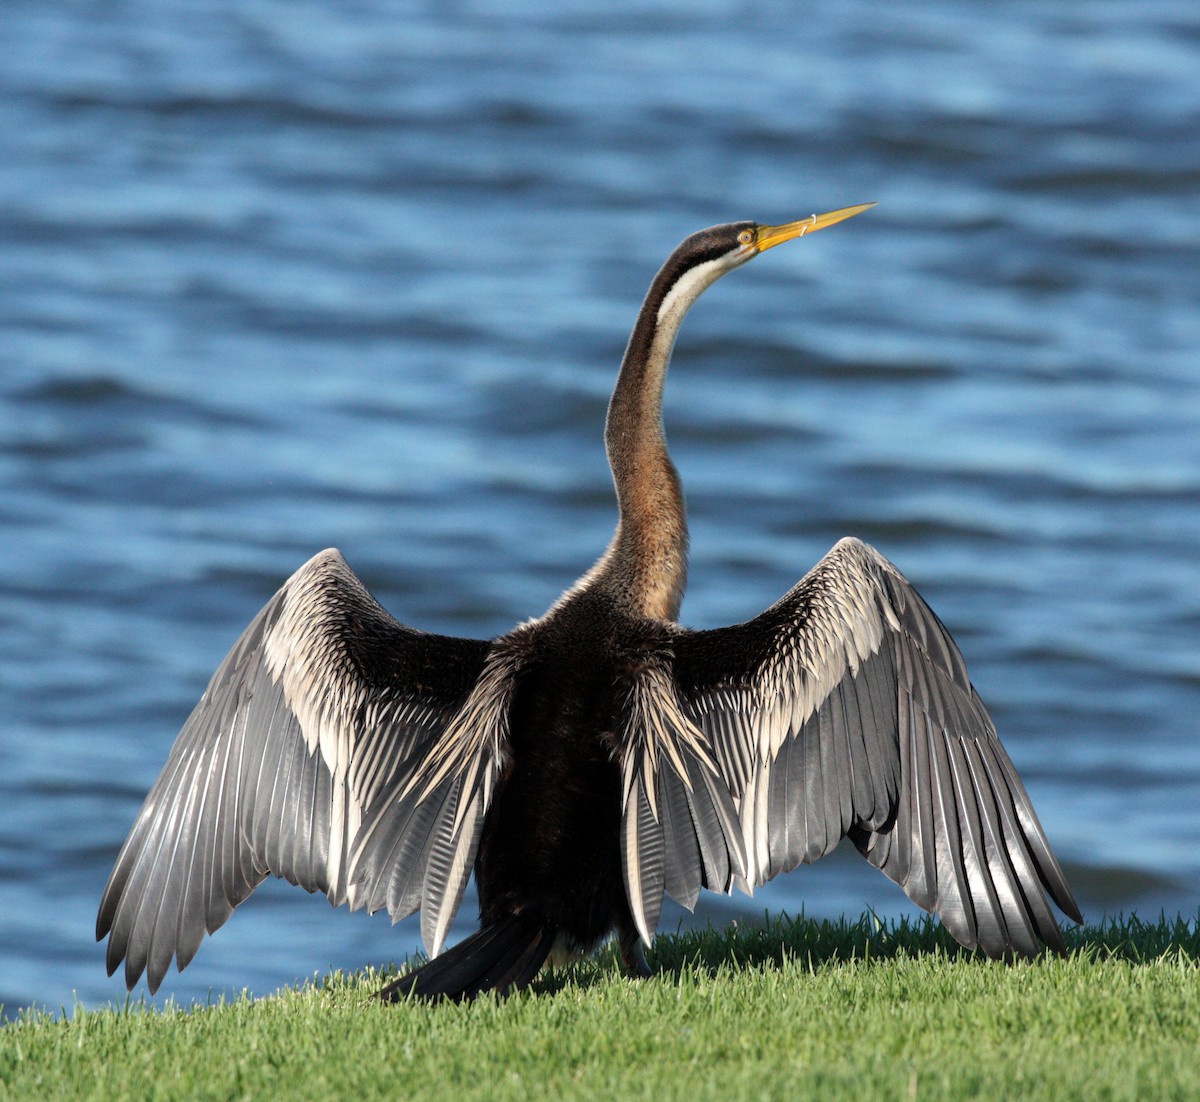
(796, 1010)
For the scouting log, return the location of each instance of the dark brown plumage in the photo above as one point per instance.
(596, 758)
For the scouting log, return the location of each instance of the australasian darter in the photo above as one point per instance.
(592, 759)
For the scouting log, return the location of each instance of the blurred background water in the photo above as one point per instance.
(278, 276)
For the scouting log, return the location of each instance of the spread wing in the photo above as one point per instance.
(334, 747)
(844, 709)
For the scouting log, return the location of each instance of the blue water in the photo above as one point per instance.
(280, 276)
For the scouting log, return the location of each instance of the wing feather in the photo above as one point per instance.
(683, 870)
(326, 717)
(643, 856)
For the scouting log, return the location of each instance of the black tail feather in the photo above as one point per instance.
(504, 957)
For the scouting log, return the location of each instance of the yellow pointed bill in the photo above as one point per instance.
(770, 236)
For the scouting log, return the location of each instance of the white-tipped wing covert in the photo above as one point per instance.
(843, 710)
(334, 747)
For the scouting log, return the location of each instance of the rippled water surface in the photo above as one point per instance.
(275, 277)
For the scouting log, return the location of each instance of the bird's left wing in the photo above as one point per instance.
(845, 709)
(334, 747)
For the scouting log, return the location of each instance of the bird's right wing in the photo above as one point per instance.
(843, 710)
(334, 747)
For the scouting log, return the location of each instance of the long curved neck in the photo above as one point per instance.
(645, 567)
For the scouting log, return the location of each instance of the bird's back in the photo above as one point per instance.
(551, 840)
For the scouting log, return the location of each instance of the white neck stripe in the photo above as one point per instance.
(688, 288)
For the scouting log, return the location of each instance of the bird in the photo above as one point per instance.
(594, 759)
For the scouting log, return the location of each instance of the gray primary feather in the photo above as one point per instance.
(317, 734)
(843, 710)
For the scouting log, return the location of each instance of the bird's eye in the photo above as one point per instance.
(745, 237)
